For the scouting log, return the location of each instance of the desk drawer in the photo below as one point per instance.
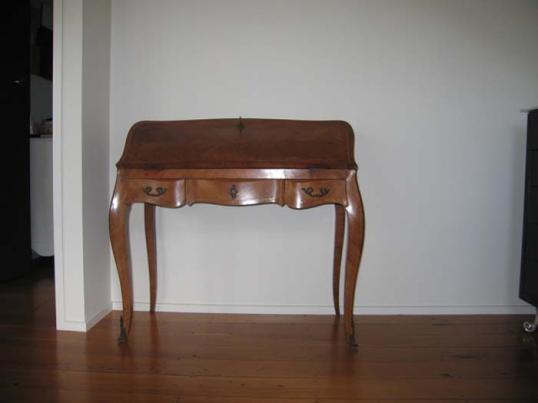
(305, 194)
(166, 193)
(234, 192)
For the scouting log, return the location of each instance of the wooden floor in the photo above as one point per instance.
(255, 358)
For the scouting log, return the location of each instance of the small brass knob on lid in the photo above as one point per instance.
(240, 125)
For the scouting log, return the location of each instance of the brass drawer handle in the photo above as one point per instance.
(158, 191)
(233, 192)
(310, 192)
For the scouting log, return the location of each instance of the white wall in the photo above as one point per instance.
(80, 109)
(433, 90)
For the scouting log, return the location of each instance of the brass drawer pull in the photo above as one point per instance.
(310, 192)
(233, 192)
(159, 191)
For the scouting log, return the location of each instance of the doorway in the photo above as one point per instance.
(26, 239)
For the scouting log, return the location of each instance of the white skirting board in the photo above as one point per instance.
(84, 326)
(329, 310)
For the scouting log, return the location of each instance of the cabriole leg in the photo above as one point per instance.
(339, 225)
(149, 223)
(119, 238)
(355, 219)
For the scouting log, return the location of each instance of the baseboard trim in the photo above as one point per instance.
(71, 326)
(92, 321)
(329, 310)
(83, 326)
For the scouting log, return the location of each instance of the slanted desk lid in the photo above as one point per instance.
(239, 144)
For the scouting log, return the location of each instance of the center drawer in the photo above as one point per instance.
(234, 192)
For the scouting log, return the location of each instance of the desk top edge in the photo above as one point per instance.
(254, 174)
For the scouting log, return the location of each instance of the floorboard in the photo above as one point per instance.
(259, 358)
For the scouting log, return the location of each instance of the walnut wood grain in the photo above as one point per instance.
(301, 164)
(119, 239)
(234, 192)
(306, 174)
(306, 194)
(222, 143)
(355, 240)
(339, 227)
(161, 192)
(151, 247)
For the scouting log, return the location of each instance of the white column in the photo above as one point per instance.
(81, 260)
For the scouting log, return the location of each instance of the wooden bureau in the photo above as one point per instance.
(238, 162)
